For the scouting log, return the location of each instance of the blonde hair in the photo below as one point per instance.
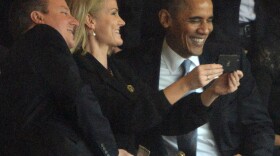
(80, 9)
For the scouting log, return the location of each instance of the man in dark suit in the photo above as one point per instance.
(239, 122)
(46, 109)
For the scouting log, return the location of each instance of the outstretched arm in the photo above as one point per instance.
(197, 78)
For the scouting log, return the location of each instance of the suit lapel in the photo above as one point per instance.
(119, 83)
(116, 82)
(152, 59)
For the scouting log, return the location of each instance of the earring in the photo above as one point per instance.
(94, 34)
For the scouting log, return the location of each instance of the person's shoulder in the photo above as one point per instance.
(44, 31)
(119, 61)
(39, 42)
(123, 67)
(45, 35)
(81, 58)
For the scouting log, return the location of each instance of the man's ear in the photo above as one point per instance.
(165, 18)
(37, 17)
(90, 22)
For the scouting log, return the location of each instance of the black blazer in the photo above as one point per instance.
(131, 106)
(45, 107)
(239, 121)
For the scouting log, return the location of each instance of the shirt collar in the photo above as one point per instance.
(173, 60)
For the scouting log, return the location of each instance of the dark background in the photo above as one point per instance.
(5, 36)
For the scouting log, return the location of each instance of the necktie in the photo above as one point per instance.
(187, 143)
(186, 66)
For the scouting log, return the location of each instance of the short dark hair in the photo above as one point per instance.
(172, 6)
(19, 17)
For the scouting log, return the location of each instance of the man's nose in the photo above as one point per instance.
(205, 28)
(74, 21)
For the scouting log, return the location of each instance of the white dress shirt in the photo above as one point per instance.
(246, 11)
(171, 71)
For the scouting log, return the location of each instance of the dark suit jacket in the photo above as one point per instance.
(239, 121)
(267, 35)
(132, 112)
(3, 53)
(226, 20)
(267, 73)
(45, 107)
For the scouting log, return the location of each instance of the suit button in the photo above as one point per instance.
(181, 153)
(130, 88)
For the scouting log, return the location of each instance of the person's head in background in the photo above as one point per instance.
(100, 24)
(25, 14)
(188, 23)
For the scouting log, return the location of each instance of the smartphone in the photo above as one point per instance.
(143, 151)
(230, 63)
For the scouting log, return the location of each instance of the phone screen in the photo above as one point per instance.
(230, 63)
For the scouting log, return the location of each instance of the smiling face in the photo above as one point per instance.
(59, 17)
(108, 24)
(189, 27)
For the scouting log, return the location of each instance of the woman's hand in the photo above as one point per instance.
(123, 152)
